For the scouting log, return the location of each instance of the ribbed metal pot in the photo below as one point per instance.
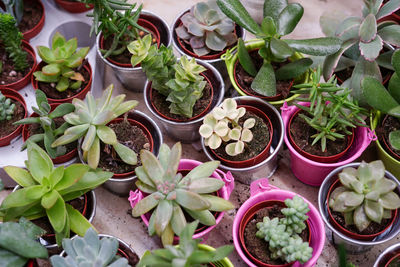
(267, 167)
(188, 132)
(134, 78)
(336, 237)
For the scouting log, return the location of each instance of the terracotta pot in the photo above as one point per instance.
(258, 158)
(81, 95)
(74, 7)
(322, 159)
(14, 95)
(203, 113)
(38, 27)
(145, 24)
(18, 85)
(60, 159)
(350, 233)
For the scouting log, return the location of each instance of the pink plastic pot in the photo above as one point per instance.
(312, 172)
(260, 191)
(224, 192)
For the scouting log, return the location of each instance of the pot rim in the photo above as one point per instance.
(69, 6)
(31, 33)
(388, 250)
(386, 145)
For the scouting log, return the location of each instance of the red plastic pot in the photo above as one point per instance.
(18, 85)
(14, 95)
(74, 7)
(322, 159)
(58, 160)
(387, 146)
(393, 259)
(145, 131)
(145, 24)
(38, 27)
(80, 95)
(347, 232)
(258, 158)
(193, 118)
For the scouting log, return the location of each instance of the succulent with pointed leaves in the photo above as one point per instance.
(187, 253)
(90, 250)
(170, 193)
(46, 189)
(6, 108)
(216, 128)
(205, 28)
(89, 122)
(46, 121)
(18, 243)
(365, 195)
(62, 58)
(15, 8)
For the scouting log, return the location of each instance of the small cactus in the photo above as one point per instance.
(6, 108)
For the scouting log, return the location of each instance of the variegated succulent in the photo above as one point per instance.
(170, 193)
(364, 195)
(89, 121)
(222, 125)
(6, 108)
(205, 28)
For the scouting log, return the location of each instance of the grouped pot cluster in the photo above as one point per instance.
(323, 123)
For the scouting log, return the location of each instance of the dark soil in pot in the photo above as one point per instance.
(8, 74)
(244, 80)
(41, 263)
(161, 104)
(129, 135)
(389, 124)
(6, 126)
(261, 137)
(33, 12)
(127, 253)
(259, 247)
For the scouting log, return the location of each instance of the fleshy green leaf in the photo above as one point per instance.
(264, 83)
(245, 60)
(317, 46)
(293, 69)
(19, 175)
(191, 200)
(368, 29)
(289, 18)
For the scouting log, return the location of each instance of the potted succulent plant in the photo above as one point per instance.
(178, 92)
(29, 15)
(390, 257)
(74, 6)
(116, 24)
(104, 250)
(387, 126)
(267, 69)
(64, 73)
(363, 50)
(296, 217)
(172, 188)
(324, 130)
(45, 125)
(12, 109)
(359, 203)
(47, 194)
(189, 252)
(18, 243)
(18, 59)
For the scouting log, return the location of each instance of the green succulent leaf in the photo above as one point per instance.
(360, 218)
(280, 49)
(217, 203)
(390, 34)
(317, 46)
(191, 200)
(293, 69)
(268, 26)
(106, 135)
(272, 8)
(377, 96)
(390, 201)
(204, 216)
(203, 170)
(368, 29)
(126, 154)
(40, 164)
(23, 197)
(370, 51)
(245, 60)
(388, 8)
(57, 214)
(373, 210)
(72, 174)
(289, 18)
(205, 185)
(78, 223)
(93, 155)
(178, 220)
(19, 175)
(146, 204)
(163, 216)
(152, 166)
(394, 139)
(264, 83)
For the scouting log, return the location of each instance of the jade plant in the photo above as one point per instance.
(180, 82)
(205, 28)
(365, 195)
(282, 233)
(386, 101)
(46, 121)
(332, 112)
(222, 125)
(18, 243)
(14, 8)
(187, 253)
(89, 122)
(63, 63)
(171, 193)
(6, 108)
(90, 250)
(45, 191)
(280, 19)
(11, 39)
(364, 40)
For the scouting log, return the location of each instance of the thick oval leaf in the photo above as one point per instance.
(317, 46)
(49, 199)
(173, 162)
(245, 60)
(143, 177)
(152, 166)
(360, 218)
(390, 201)
(280, 49)
(217, 203)
(93, 155)
(377, 96)
(57, 214)
(394, 139)
(72, 174)
(163, 216)
(388, 8)
(363, 69)
(204, 216)
(126, 154)
(293, 69)
(390, 34)
(167, 237)
(384, 186)
(19, 198)
(268, 26)
(178, 220)
(370, 51)
(353, 199)
(272, 8)
(347, 25)
(373, 210)
(264, 83)
(89, 138)
(203, 170)
(191, 200)
(78, 223)
(40, 164)
(331, 61)
(205, 185)
(146, 204)
(368, 29)
(19, 175)
(289, 18)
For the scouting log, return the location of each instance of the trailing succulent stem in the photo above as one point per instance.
(14, 8)
(46, 120)
(6, 108)
(171, 193)
(89, 121)
(11, 39)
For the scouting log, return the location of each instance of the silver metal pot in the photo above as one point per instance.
(132, 78)
(267, 167)
(218, 63)
(387, 254)
(188, 131)
(336, 237)
(122, 186)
